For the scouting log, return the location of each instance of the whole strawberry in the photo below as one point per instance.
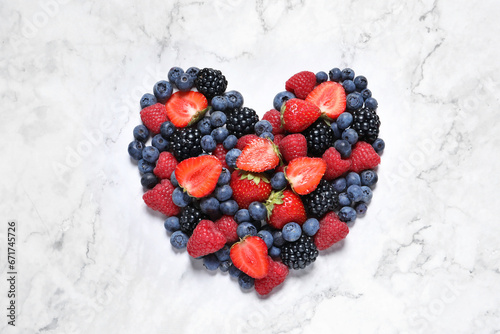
(273, 116)
(363, 157)
(284, 207)
(153, 116)
(335, 165)
(293, 146)
(206, 239)
(301, 84)
(165, 165)
(297, 115)
(249, 187)
(160, 199)
(275, 276)
(331, 230)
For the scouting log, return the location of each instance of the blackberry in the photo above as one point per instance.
(186, 143)
(321, 200)
(189, 218)
(210, 82)
(240, 121)
(366, 123)
(319, 138)
(299, 254)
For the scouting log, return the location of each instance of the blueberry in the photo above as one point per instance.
(355, 193)
(225, 265)
(353, 178)
(174, 73)
(349, 86)
(343, 147)
(208, 143)
(150, 154)
(179, 239)
(257, 210)
(145, 167)
(361, 209)
(335, 74)
(163, 90)
(278, 239)
(218, 119)
(246, 228)
(267, 237)
(347, 214)
(339, 184)
(173, 180)
(350, 135)
(180, 198)
(209, 205)
(360, 82)
(311, 226)
(147, 100)
(337, 133)
(379, 145)
(291, 232)
(193, 72)
(344, 121)
(211, 262)
(241, 216)
(135, 149)
(274, 252)
(354, 101)
(347, 74)
(149, 180)
(234, 272)
(367, 194)
(262, 126)
(246, 282)
(224, 178)
(160, 143)
(234, 99)
(223, 253)
(366, 93)
(230, 142)
(184, 82)
(141, 133)
(321, 77)
(231, 157)
(371, 103)
(344, 199)
(219, 103)
(278, 181)
(223, 193)
(205, 126)
(267, 135)
(172, 224)
(167, 129)
(229, 207)
(368, 178)
(220, 134)
(281, 98)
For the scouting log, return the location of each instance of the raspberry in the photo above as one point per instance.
(331, 230)
(243, 141)
(277, 139)
(206, 239)
(275, 276)
(335, 165)
(165, 166)
(153, 116)
(220, 153)
(301, 84)
(293, 146)
(273, 116)
(160, 199)
(228, 226)
(363, 157)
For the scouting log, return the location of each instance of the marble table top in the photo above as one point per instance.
(91, 258)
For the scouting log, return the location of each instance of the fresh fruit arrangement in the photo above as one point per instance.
(256, 198)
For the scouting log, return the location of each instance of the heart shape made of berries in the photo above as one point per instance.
(253, 197)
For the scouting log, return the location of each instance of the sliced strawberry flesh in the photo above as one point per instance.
(330, 98)
(185, 107)
(258, 156)
(304, 174)
(250, 256)
(199, 175)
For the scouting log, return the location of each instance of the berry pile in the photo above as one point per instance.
(252, 197)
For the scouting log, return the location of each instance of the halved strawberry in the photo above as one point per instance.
(258, 156)
(330, 98)
(199, 175)
(304, 174)
(185, 108)
(250, 256)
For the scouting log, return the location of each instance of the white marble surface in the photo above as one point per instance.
(93, 259)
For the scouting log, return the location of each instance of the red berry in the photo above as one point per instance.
(276, 275)
(228, 226)
(273, 116)
(165, 165)
(198, 175)
(293, 146)
(304, 174)
(285, 207)
(153, 117)
(258, 156)
(330, 98)
(331, 230)
(206, 239)
(220, 152)
(277, 139)
(250, 256)
(335, 165)
(297, 115)
(249, 187)
(301, 84)
(160, 199)
(363, 157)
(243, 141)
(185, 108)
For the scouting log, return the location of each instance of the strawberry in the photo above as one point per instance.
(165, 165)
(153, 116)
(293, 146)
(199, 175)
(304, 174)
(227, 226)
(273, 116)
(284, 207)
(330, 98)
(335, 165)
(250, 256)
(220, 152)
(276, 275)
(160, 199)
(301, 84)
(249, 187)
(297, 115)
(206, 239)
(185, 108)
(258, 156)
(331, 230)
(277, 139)
(363, 157)
(243, 141)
